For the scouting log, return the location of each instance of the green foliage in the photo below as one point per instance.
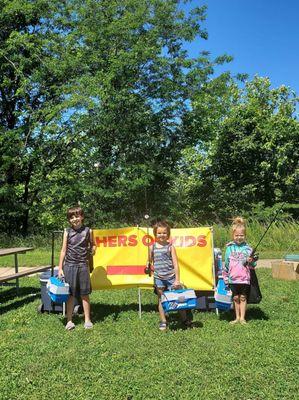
(92, 83)
(101, 105)
(35, 138)
(251, 156)
(126, 357)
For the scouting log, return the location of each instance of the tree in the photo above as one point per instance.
(35, 135)
(136, 74)
(252, 158)
(90, 83)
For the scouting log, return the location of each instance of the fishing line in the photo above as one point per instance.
(146, 217)
(275, 216)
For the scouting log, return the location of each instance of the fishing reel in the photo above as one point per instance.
(253, 258)
(148, 269)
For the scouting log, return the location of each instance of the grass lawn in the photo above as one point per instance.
(125, 357)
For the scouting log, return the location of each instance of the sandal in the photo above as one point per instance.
(88, 325)
(69, 326)
(163, 326)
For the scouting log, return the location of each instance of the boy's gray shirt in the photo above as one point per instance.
(78, 245)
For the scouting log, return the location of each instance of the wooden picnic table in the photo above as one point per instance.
(7, 274)
(15, 250)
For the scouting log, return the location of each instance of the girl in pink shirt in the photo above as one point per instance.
(236, 271)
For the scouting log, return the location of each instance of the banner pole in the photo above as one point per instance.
(139, 302)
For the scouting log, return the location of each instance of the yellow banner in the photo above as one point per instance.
(121, 257)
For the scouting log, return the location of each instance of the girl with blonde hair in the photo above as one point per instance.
(236, 272)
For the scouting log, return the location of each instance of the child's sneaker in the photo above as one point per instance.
(163, 326)
(88, 325)
(69, 326)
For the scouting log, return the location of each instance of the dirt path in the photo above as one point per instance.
(266, 263)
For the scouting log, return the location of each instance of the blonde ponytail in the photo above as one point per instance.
(238, 222)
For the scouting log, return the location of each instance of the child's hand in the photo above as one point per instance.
(252, 259)
(226, 285)
(148, 269)
(177, 285)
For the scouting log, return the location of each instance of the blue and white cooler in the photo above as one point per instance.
(181, 299)
(223, 297)
(58, 290)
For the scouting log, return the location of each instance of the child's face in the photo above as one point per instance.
(239, 235)
(76, 221)
(162, 234)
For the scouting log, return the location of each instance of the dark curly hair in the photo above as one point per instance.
(161, 224)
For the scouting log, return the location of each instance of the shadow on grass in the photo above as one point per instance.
(15, 300)
(255, 313)
(175, 321)
(101, 311)
(252, 314)
(176, 325)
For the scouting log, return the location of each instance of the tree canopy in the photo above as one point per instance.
(101, 104)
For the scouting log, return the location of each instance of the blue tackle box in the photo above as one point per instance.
(58, 290)
(223, 297)
(181, 299)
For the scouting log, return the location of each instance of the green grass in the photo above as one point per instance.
(125, 357)
(40, 256)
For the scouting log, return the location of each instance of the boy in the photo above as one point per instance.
(73, 264)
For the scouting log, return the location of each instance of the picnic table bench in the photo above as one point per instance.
(7, 274)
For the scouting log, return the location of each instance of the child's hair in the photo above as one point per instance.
(238, 222)
(77, 211)
(161, 224)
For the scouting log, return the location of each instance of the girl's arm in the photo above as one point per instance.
(225, 268)
(252, 259)
(62, 254)
(175, 266)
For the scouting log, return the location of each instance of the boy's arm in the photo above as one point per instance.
(62, 254)
(176, 266)
(92, 243)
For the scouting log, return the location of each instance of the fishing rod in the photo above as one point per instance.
(253, 253)
(147, 269)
